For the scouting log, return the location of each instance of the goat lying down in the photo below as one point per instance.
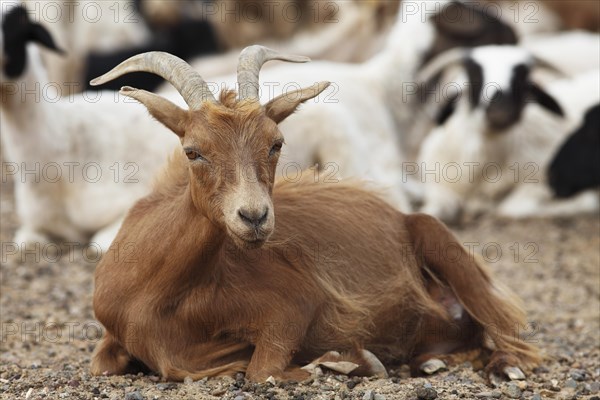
(212, 286)
(498, 133)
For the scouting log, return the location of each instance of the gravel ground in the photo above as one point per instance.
(48, 329)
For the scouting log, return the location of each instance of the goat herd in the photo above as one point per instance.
(274, 228)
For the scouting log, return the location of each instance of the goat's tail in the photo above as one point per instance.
(488, 302)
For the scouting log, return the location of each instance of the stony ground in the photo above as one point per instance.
(48, 330)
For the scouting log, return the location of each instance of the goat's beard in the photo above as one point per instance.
(249, 242)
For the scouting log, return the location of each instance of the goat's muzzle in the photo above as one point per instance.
(502, 112)
(251, 227)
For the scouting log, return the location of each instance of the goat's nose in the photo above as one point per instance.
(255, 217)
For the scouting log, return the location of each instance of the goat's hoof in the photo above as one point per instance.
(432, 366)
(343, 367)
(514, 373)
(508, 373)
(376, 366)
(333, 360)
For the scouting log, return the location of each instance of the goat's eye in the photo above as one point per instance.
(193, 155)
(276, 148)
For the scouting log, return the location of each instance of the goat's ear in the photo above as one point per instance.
(545, 100)
(39, 34)
(475, 75)
(447, 110)
(285, 104)
(163, 110)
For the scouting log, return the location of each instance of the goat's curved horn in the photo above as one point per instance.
(180, 74)
(440, 62)
(250, 62)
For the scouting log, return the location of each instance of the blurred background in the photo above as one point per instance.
(541, 237)
(98, 34)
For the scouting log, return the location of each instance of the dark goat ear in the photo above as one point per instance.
(541, 97)
(447, 110)
(39, 34)
(475, 76)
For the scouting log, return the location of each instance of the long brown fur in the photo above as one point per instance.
(343, 270)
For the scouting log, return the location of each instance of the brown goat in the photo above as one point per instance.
(210, 285)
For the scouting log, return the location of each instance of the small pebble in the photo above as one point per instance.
(166, 386)
(570, 383)
(488, 395)
(240, 397)
(521, 384)
(188, 380)
(536, 396)
(379, 397)
(578, 375)
(218, 392)
(134, 396)
(351, 384)
(368, 395)
(74, 383)
(426, 393)
(512, 391)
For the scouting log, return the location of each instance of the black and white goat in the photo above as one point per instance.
(76, 169)
(497, 131)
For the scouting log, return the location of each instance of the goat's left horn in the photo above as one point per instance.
(250, 62)
(180, 74)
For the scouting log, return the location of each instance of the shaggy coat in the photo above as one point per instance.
(198, 284)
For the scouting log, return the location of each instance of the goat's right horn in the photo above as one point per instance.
(180, 74)
(250, 62)
(440, 62)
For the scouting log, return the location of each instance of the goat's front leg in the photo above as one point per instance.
(273, 352)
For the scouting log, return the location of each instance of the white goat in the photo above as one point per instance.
(496, 137)
(76, 170)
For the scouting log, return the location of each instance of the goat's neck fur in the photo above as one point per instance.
(198, 238)
(25, 112)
